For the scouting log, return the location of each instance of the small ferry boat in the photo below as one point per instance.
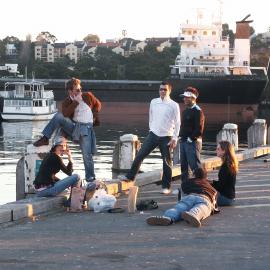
(26, 101)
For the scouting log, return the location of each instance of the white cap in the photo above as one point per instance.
(188, 94)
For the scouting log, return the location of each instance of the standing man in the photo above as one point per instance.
(79, 115)
(192, 126)
(164, 125)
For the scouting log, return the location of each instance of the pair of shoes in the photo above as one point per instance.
(166, 191)
(159, 221)
(42, 141)
(147, 204)
(191, 219)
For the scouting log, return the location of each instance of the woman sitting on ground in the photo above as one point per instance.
(197, 203)
(46, 183)
(227, 174)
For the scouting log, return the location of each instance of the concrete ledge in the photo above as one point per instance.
(28, 208)
(33, 206)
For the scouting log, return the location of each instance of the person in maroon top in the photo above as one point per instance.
(227, 174)
(79, 115)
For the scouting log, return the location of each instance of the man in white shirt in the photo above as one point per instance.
(164, 126)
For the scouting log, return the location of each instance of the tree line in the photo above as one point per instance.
(105, 64)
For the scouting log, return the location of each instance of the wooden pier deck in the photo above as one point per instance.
(237, 238)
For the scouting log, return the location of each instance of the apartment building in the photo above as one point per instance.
(50, 52)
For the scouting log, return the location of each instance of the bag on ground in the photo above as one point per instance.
(101, 201)
(77, 196)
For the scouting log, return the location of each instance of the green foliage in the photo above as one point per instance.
(45, 37)
(91, 38)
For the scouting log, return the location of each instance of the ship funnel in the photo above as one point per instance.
(243, 28)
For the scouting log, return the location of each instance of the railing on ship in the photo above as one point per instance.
(215, 75)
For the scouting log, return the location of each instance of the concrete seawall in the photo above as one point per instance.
(31, 207)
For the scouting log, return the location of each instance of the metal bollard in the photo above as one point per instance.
(229, 133)
(257, 133)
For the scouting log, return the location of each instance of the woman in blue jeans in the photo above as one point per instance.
(227, 174)
(46, 182)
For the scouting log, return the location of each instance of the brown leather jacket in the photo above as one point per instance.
(69, 105)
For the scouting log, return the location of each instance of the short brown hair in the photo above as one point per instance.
(70, 84)
(167, 83)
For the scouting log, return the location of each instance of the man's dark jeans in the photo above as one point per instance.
(189, 157)
(150, 143)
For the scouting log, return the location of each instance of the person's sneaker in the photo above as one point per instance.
(42, 141)
(159, 221)
(124, 178)
(175, 192)
(166, 191)
(191, 219)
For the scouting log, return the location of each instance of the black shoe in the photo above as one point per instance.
(42, 141)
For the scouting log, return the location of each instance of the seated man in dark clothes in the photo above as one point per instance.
(197, 203)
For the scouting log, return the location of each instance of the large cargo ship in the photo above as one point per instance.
(230, 89)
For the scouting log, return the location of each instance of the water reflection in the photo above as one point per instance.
(14, 137)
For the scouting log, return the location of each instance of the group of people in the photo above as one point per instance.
(79, 115)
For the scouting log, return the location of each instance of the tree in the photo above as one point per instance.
(226, 32)
(91, 38)
(45, 37)
(26, 54)
(2, 51)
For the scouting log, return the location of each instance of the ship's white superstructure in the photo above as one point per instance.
(205, 51)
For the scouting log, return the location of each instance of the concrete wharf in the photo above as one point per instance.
(237, 238)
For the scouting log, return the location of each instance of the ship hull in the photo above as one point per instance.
(223, 89)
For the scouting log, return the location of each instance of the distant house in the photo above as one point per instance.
(119, 50)
(140, 46)
(50, 52)
(161, 43)
(89, 50)
(11, 50)
(129, 46)
(266, 37)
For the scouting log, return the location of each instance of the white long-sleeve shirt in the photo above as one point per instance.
(164, 117)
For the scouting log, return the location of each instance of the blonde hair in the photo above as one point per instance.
(229, 157)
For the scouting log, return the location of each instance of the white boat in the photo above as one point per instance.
(26, 101)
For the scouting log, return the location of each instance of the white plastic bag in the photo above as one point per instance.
(101, 201)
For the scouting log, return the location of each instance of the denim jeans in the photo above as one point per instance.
(61, 185)
(150, 143)
(85, 140)
(224, 201)
(197, 205)
(189, 157)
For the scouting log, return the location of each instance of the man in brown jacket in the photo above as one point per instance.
(79, 115)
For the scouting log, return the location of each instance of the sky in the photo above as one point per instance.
(71, 20)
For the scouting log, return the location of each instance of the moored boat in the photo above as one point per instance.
(26, 101)
(222, 73)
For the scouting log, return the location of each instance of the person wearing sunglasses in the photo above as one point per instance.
(46, 183)
(79, 115)
(164, 125)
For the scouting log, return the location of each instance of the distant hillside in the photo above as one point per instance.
(260, 56)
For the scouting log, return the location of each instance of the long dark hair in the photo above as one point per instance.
(229, 157)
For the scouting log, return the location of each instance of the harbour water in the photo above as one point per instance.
(14, 137)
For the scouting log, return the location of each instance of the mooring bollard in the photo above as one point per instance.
(27, 168)
(125, 151)
(229, 133)
(257, 133)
